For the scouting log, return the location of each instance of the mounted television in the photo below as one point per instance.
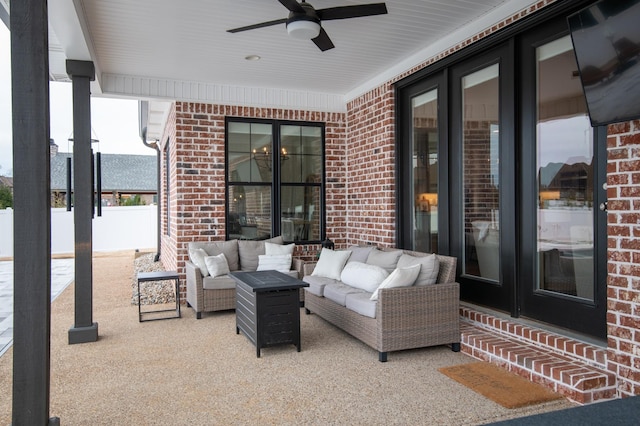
(606, 42)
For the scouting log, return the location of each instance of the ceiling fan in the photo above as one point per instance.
(305, 22)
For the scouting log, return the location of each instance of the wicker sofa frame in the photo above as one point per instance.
(406, 318)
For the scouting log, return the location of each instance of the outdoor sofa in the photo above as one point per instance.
(209, 291)
(424, 313)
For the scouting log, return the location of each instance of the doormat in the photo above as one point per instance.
(499, 385)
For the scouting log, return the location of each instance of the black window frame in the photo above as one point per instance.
(276, 182)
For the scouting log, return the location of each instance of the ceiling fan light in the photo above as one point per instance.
(303, 29)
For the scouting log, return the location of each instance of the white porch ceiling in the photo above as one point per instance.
(181, 50)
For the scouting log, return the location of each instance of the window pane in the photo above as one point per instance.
(481, 173)
(300, 213)
(300, 153)
(565, 176)
(425, 171)
(249, 212)
(249, 152)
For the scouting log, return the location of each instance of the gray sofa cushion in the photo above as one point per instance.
(218, 283)
(362, 304)
(228, 248)
(385, 259)
(429, 267)
(359, 253)
(249, 251)
(317, 283)
(338, 292)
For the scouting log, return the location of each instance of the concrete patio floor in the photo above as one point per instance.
(62, 273)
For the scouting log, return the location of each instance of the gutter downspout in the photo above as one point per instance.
(143, 109)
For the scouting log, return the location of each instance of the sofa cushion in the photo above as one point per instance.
(400, 277)
(197, 255)
(317, 284)
(363, 276)
(218, 283)
(362, 304)
(429, 267)
(217, 265)
(385, 259)
(331, 263)
(249, 250)
(229, 248)
(359, 253)
(338, 291)
(275, 262)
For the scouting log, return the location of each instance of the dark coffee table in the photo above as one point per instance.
(268, 307)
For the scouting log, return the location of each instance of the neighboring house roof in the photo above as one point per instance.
(6, 181)
(122, 173)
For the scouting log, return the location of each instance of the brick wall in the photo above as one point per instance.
(370, 174)
(196, 136)
(623, 283)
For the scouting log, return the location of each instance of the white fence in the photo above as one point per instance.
(119, 228)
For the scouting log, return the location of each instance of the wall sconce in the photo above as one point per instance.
(328, 244)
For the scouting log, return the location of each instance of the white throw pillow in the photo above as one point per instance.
(197, 257)
(271, 249)
(331, 263)
(363, 276)
(400, 277)
(275, 262)
(217, 265)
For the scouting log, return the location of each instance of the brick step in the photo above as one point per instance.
(572, 377)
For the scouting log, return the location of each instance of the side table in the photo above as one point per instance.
(159, 276)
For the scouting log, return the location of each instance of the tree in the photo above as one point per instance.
(135, 200)
(6, 198)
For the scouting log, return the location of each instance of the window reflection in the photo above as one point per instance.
(565, 176)
(425, 171)
(481, 173)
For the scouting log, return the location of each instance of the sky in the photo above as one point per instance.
(114, 122)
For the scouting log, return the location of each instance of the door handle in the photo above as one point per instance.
(603, 206)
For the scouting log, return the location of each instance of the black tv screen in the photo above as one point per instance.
(606, 41)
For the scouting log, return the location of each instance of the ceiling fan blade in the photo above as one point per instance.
(292, 5)
(345, 12)
(261, 25)
(323, 41)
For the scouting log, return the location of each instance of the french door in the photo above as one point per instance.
(519, 179)
(482, 154)
(563, 270)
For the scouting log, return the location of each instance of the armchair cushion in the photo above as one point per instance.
(229, 248)
(224, 282)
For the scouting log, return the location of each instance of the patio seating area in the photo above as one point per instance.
(188, 371)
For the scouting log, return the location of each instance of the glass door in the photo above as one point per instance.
(425, 171)
(559, 282)
(422, 146)
(481, 156)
